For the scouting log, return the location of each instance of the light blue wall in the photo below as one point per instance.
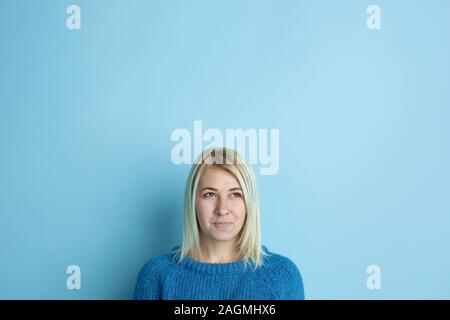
(86, 117)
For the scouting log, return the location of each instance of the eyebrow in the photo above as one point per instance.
(232, 189)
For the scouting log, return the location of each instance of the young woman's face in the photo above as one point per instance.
(220, 205)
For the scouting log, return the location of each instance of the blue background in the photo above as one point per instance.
(86, 116)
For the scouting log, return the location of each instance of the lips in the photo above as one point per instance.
(222, 225)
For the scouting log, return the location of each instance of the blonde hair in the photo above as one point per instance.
(250, 236)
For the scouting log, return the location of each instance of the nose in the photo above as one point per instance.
(222, 207)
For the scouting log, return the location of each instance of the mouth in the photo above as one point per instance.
(222, 225)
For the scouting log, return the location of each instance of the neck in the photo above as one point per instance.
(218, 251)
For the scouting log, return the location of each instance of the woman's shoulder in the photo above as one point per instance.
(279, 263)
(156, 265)
(151, 275)
(286, 275)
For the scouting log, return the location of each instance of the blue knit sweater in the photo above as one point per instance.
(162, 278)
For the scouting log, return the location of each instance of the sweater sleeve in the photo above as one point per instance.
(147, 286)
(294, 283)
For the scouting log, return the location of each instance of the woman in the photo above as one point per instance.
(221, 256)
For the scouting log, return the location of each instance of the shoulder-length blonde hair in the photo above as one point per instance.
(250, 236)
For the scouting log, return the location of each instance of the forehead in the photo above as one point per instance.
(217, 177)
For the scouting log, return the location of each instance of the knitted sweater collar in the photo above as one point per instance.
(215, 268)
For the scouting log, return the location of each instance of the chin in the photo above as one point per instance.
(222, 237)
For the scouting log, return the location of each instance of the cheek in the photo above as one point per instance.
(240, 210)
(204, 210)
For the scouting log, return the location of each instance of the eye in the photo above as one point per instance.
(237, 195)
(208, 195)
